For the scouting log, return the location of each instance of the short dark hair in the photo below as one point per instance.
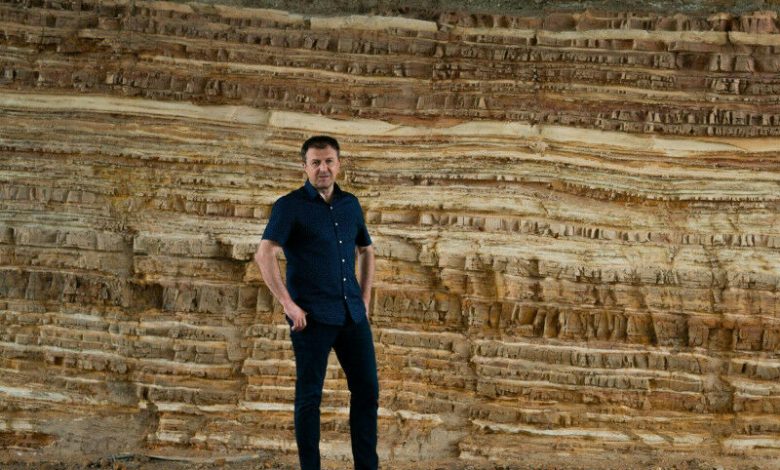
(319, 142)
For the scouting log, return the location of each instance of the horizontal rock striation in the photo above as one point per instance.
(576, 217)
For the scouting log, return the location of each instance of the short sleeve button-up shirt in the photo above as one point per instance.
(319, 240)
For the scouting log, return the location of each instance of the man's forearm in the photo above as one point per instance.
(366, 273)
(269, 269)
(272, 275)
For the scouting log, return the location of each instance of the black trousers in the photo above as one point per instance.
(354, 346)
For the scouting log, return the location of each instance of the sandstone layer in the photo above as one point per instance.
(576, 216)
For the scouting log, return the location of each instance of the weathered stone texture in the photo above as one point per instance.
(576, 216)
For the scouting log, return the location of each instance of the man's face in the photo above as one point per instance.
(322, 166)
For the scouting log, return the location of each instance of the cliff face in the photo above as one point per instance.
(576, 216)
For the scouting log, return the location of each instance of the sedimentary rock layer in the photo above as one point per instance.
(576, 216)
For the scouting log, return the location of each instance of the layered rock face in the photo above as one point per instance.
(576, 216)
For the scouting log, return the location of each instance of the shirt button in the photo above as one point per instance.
(337, 224)
(331, 207)
(339, 241)
(344, 279)
(345, 297)
(342, 260)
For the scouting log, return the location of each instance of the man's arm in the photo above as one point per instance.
(269, 269)
(365, 256)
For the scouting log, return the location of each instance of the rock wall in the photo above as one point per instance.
(576, 216)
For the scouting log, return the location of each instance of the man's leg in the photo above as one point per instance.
(355, 350)
(312, 346)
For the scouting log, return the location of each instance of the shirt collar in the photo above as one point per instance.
(314, 194)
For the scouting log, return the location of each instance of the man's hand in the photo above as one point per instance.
(296, 315)
(366, 302)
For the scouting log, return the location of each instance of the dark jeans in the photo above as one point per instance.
(354, 348)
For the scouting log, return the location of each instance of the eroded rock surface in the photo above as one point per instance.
(577, 219)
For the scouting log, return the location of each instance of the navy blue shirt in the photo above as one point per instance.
(319, 241)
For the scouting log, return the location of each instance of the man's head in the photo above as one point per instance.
(321, 161)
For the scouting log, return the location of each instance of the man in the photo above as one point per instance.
(321, 230)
